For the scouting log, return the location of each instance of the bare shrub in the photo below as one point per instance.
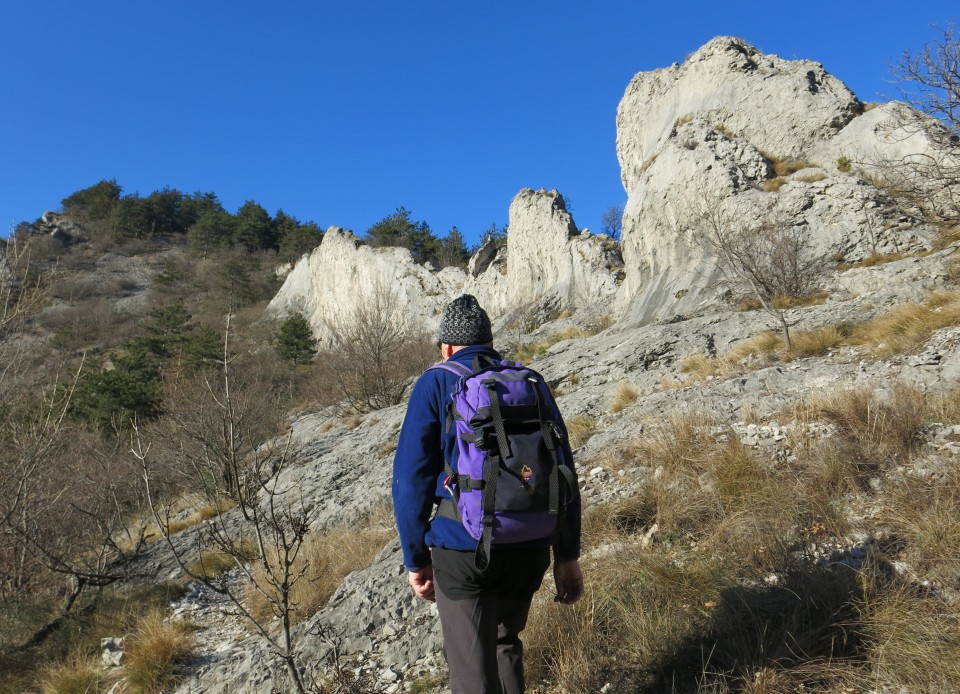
(766, 261)
(215, 422)
(90, 323)
(376, 351)
(232, 461)
(327, 558)
(929, 179)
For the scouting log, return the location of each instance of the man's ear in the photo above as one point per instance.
(446, 351)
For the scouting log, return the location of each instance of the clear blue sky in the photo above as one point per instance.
(339, 112)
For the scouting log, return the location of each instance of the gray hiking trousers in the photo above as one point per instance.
(482, 614)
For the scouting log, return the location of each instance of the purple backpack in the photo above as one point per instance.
(512, 481)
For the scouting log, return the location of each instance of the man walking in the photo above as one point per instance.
(482, 610)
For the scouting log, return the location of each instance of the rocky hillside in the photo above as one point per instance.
(762, 139)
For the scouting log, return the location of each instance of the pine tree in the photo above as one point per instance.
(295, 341)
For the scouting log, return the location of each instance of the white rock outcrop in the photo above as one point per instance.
(549, 260)
(755, 138)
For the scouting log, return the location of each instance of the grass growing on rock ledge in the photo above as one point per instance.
(733, 569)
(526, 352)
(902, 330)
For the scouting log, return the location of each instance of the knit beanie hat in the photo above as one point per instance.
(465, 323)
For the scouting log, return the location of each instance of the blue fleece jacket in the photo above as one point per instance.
(418, 472)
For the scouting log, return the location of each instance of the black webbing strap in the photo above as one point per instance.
(491, 471)
(502, 444)
(548, 440)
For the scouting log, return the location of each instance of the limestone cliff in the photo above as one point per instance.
(759, 138)
(549, 260)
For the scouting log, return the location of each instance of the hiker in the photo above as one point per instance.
(482, 587)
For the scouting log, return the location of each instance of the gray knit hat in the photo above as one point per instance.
(465, 323)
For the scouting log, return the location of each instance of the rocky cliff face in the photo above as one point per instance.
(761, 138)
(758, 138)
(549, 261)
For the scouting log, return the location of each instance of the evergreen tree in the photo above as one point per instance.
(295, 341)
(398, 229)
(130, 389)
(295, 238)
(164, 212)
(212, 232)
(93, 203)
(168, 330)
(254, 228)
(202, 349)
(498, 235)
(452, 250)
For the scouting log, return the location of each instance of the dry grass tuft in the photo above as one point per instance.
(580, 429)
(76, 675)
(202, 513)
(907, 327)
(324, 560)
(790, 166)
(925, 512)
(155, 651)
(912, 640)
(811, 178)
(764, 343)
(625, 394)
(774, 184)
(526, 352)
(213, 563)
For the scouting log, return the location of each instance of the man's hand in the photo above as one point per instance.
(569, 579)
(422, 583)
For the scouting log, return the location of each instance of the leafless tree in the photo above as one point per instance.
(235, 464)
(64, 502)
(376, 349)
(769, 261)
(612, 221)
(213, 425)
(928, 178)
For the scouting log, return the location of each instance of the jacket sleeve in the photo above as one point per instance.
(417, 466)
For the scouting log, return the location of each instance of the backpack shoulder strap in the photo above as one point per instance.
(453, 367)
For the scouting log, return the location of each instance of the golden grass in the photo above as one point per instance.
(324, 560)
(526, 352)
(212, 563)
(925, 512)
(774, 184)
(678, 597)
(907, 327)
(625, 394)
(580, 429)
(912, 640)
(77, 675)
(154, 652)
(703, 580)
(788, 167)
